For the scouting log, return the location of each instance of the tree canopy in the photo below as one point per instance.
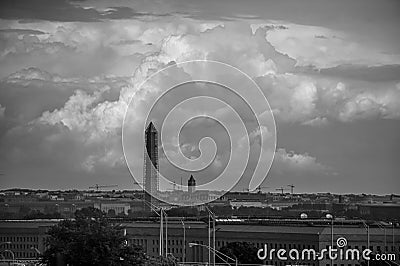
(244, 252)
(90, 239)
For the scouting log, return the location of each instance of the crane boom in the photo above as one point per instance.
(97, 186)
(281, 189)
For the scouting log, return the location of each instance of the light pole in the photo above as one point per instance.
(392, 236)
(367, 228)
(36, 250)
(12, 253)
(5, 243)
(211, 215)
(216, 251)
(330, 216)
(166, 232)
(184, 242)
(382, 227)
(162, 214)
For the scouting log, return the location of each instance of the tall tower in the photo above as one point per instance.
(191, 184)
(151, 163)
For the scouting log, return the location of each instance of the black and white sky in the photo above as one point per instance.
(330, 71)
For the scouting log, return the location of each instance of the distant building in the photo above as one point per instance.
(191, 184)
(116, 207)
(381, 211)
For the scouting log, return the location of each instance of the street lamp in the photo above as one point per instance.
(184, 242)
(216, 251)
(12, 253)
(382, 227)
(330, 217)
(366, 226)
(211, 215)
(162, 214)
(36, 250)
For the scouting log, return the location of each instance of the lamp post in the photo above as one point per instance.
(162, 214)
(12, 253)
(382, 227)
(184, 242)
(366, 226)
(392, 235)
(5, 243)
(216, 251)
(166, 232)
(36, 250)
(211, 215)
(330, 216)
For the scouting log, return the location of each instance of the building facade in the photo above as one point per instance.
(27, 237)
(301, 235)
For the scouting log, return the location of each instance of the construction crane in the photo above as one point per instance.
(97, 186)
(281, 189)
(259, 189)
(291, 188)
(173, 184)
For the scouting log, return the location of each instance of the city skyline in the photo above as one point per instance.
(330, 72)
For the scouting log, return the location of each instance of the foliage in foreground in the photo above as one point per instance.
(90, 239)
(244, 252)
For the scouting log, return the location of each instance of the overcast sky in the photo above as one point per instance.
(329, 69)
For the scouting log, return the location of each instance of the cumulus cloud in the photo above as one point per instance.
(318, 121)
(297, 164)
(314, 100)
(32, 73)
(372, 104)
(49, 91)
(2, 112)
(91, 92)
(323, 47)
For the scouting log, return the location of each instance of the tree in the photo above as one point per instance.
(90, 239)
(243, 251)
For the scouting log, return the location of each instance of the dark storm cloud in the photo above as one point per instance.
(61, 10)
(364, 153)
(22, 31)
(385, 73)
(373, 73)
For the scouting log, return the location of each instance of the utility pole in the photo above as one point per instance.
(211, 215)
(184, 242)
(166, 233)
(161, 233)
